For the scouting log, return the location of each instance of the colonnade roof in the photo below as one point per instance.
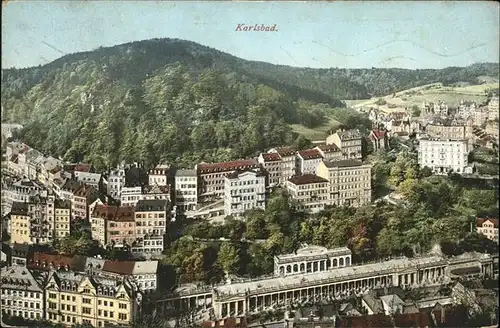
(334, 274)
(311, 253)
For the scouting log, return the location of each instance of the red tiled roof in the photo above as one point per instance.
(480, 221)
(42, 261)
(85, 191)
(119, 267)
(271, 157)
(310, 153)
(285, 151)
(83, 167)
(125, 214)
(114, 213)
(205, 168)
(378, 133)
(306, 179)
(332, 148)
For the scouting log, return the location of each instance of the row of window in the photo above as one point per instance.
(27, 305)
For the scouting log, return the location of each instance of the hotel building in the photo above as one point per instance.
(186, 190)
(307, 161)
(243, 191)
(309, 190)
(348, 141)
(443, 155)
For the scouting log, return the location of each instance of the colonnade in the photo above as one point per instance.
(314, 266)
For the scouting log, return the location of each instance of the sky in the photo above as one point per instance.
(315, 34)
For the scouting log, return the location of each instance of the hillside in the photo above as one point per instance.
(175, 100)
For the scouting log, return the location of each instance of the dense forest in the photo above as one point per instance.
(174, 100)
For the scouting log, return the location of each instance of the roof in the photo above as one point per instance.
(205, 168)
(343, 163)
(373, 302)
(185, 173)
(20, 249)
(332, 148)
(480, 221)
(86, 191)
(309, 252)
(83, 167)
(19, 208)
(283, 151)
(306, 179)
(310, 154)
(237, 173)
(62, 203)
(114, 213)
(151, 205)
(124, 214)
(144, 267)
(271, 157)
(119, 267)
(20, 278)
(349, 134)
(71, 185)
(156, 189)
(377, 133)
(43, 261)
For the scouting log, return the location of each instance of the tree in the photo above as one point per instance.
(229, 258)
(76, 243)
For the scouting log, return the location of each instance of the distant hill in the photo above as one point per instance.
(175, 100)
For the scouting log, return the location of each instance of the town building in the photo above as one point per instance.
(493, 109)
(84, 174)
(448, 131)
(480, 116)
(349, 182)
(287, 155)
(22, 294)
(113, 225)
(186, 190)
(307, 161)
(156, 191)
(22, 191)
(151, 217)
(309, 190)
(330, 152)
(211, 177)
(62, 218)
(310, 258)
(159, 175)
(148, 246)
(271, 162)
(82, 198)
(443, 155)
(66, 189)
(348, 141)
(33, 222)
(130, 195)
(143, 274)
(115, 182)
(243, 191)
(379, 139)
(488, 227)
(76, 298)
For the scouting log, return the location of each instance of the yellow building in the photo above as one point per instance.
(348, 141)
(20, 224)
(75, 298)
(62, 218)
(349, 182)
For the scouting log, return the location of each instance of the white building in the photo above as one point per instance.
(272, 164)
(307, 161)
(148, 246)
(488, 227)
(158, 175)
(130, 195)
(186, 190)
(287, 155)
(145, 274)
(116, 181)
(243, 191)
(310, 259)
(310, 191)
(443, 155)
(21, 294)
(493, 109)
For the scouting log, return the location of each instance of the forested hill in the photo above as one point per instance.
(174, 100)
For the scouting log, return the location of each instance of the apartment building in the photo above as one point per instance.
(82, 198)
(22, 190)
(22, 294)
(348, 141)
(156, 191)
(148, 246)
(287, 155)
(115, 182)
(143, 274)
(76, 298)
(243, 191)
(67, 189)
(211, 177)
(309, 190)
(488, 227)
(443, 155)
(448, 131)
(151, 217)
(33, 222)
(130, 195)
(307, 161)
(349, 182)
(271, 162)
(330, 152)
(62, 218)
(480, 116)
(113, 225)
(159, 175)
(84, 174)
(186, 190)
(493, 109)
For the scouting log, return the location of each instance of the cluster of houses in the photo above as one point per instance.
(75, 290)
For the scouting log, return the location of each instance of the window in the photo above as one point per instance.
(52, 295)
(122, 316)
(111, 314)
(86, 301)
(122, 306)
(86, 310)
(110, 303)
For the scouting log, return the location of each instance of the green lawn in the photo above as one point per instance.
(317, 133)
